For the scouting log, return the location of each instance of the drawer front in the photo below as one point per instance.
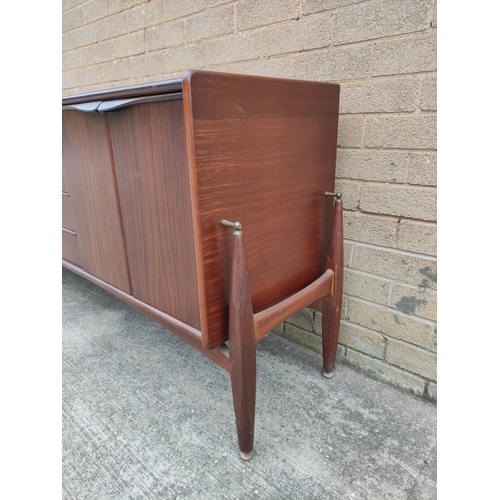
(68, 214)
(70, 250)
(92, 201)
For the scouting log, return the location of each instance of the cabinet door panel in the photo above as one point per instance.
(150, 154)
(90, 181)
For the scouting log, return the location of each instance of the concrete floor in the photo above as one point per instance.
(145, 416)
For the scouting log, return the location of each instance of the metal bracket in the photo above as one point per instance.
(227, 223)
(337, 196)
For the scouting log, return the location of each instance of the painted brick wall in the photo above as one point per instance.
(383, 53)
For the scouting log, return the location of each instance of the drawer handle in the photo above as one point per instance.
(86, 107)
(64, 193)
(122, 103)
(68, 231)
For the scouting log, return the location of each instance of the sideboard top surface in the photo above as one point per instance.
(154, 88)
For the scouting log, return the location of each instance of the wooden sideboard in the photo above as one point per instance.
(160, 183)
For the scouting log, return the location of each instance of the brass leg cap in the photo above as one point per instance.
(327, 374)
(247, 456)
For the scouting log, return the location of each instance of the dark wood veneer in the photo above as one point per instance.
(149, 146)
(89, 174)
(149, 173)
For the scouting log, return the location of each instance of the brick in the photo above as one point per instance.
(401, 132)
(144, 15)
(65, 5)
(370, 229)
(254, 13)
(412, 359)
(340, 63)
(405, 55)
(348, 249)
(68, 42)
(434, 341)
(428, 98)
(85, 35)
(75, 3)
(432, 391)
(303, 338)
(147, 65)
(279, 67)
(366, 286)
(183, 58)
(279, 329)
(390, 322)
(421, 301)
(295, 36)
(215, 3)
(303, 319)
(379, 96)
(165, 35)
(71, 19)
(417, 237)
(363, 340)
(306, 339)
(116, 70)
(115, 6)
(112, 27)
(173, 9)
(350, 131)
(423, 169)
(69, 79)
(239, 47)
(385, 372)
(75, 59)
(392, 264)
(401, 201)
(385, 166)
(311, 6)
(378, 19)
(95, 10)
(211, 23)
(129, 45)
(89, 75)
(350, 193)
(434, 21)
(100, 52)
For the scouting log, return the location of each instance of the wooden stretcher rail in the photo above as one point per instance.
(266, 320)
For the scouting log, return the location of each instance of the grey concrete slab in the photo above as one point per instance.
(145, 416)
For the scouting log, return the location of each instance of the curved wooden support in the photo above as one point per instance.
(266, 320)
(332, 304)
(242, 348)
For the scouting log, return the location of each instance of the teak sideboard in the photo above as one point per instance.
(207, 203)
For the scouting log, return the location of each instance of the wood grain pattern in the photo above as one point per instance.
(149, 144)
(68, 212)
(332, 305)
(89, 180)
(70, 250)
(242, 355)
(264, 154)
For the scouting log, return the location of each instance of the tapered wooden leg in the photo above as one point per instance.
(332, 304)
(242, 348)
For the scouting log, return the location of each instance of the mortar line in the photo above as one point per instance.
(389, 150)
(408, 253)
(396, 281)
